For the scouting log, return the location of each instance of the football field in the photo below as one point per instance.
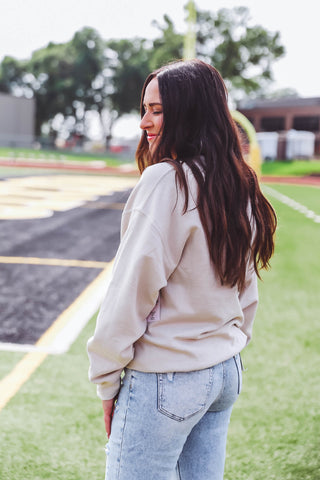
(55, 259)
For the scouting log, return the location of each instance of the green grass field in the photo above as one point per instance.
(59, 155)
(294, 167)
(53, 428)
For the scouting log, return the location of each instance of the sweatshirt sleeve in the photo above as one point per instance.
(249, 302)
(142, 266)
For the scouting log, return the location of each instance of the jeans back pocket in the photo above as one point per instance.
(183, 394)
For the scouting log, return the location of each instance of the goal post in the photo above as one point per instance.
(250, 143)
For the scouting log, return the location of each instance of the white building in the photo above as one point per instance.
(17, 121)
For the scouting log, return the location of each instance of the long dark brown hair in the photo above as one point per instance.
(198, 130)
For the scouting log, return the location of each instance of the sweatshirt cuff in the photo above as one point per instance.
(105, 391)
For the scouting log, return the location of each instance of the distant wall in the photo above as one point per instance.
(17, 121)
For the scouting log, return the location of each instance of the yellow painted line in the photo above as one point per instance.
(73, 309)
(12, 383)
(56, 262)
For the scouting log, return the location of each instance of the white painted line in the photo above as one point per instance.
(292, 204)
(89, 306)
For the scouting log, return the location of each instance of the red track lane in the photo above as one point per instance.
(308, 180)
(132, 170)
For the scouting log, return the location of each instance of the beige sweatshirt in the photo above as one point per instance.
(165, 309)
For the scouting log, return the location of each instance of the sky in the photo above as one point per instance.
(26, 25)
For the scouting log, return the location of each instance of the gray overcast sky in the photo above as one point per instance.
(26, 25)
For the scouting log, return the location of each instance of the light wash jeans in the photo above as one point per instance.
(170, 426)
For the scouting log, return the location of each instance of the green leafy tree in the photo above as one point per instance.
(128, 65)
(66, 78)
(168, 46)
(14, 77)
(89, 73)
(129, 68)
(52, 84)
(242, 53)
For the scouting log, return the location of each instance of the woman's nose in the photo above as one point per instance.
(145, 122)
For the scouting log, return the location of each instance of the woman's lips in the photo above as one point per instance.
(151, 136)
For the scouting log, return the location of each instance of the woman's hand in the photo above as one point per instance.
(108, 409)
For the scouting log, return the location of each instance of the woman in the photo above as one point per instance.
(183, 293)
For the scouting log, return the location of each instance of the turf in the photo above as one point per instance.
(53, 428)
(308, 196)
(275, 428)
(294, 167)
(7, 362)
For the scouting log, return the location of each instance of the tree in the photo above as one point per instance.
(52, 83)
(66, 78)
(14, 77)
(243, 54)
(130, 61)
(88, 73)
(128, 66)
(279, 93)
(167, 47)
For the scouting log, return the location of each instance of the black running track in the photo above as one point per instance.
(33, 296)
